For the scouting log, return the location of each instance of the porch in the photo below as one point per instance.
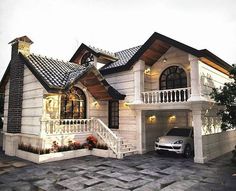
(65, 130)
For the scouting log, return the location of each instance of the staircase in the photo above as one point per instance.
(118, 144)
(127, 148)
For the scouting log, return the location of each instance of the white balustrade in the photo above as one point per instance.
(166, 96)
(66, 126)
(75, 126)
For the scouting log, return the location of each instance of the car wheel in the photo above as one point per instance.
(159, 152)
(187, 151)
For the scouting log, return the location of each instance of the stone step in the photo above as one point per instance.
(128, 153)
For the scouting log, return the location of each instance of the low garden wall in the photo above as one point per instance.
(43, 158)
(215, 145)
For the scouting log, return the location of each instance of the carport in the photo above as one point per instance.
(157, 123)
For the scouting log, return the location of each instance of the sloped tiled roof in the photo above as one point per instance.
(123, 57)
(56, 73)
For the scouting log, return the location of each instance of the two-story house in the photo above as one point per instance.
(127, 98)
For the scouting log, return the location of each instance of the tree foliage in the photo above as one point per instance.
(226, 96)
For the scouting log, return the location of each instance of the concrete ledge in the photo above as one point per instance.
(36, 158)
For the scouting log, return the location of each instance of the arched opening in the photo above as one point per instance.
(173, 77)
(73, 104)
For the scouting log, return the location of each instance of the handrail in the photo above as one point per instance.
(104, 125)
(110, 138)
(153, 91)
(166, 96)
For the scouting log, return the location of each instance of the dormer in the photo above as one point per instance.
(90, 55)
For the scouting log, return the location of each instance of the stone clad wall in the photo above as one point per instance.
(215, 145)
(124, 83)
(174, 57)
(32, 105)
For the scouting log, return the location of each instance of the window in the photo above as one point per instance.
(172, 78)
(73, 104)
(113, 114)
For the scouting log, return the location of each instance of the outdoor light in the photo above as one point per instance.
(165, 60)
(126, 104)
(147, 71)
(152, 119)
(95, 103)
(172, 117)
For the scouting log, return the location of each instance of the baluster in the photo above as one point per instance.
(153, 97)
(82, 124)
(175, 95)
(171, 94)
(184, 93)
(148, 97)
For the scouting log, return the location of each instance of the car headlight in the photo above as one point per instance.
(178, 142)
(158, 139)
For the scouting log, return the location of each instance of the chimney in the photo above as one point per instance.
(21, 44)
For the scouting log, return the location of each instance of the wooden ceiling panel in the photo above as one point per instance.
(214, 65)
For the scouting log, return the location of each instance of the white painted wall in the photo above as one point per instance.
(217, 144)
(32, 105)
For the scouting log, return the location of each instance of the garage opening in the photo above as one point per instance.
(158, 123)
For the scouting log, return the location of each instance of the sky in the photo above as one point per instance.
(58, 27)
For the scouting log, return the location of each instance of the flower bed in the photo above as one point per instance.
(63, 152)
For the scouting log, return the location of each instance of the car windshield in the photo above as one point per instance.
(182, 132)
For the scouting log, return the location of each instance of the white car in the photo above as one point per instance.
(178, 140)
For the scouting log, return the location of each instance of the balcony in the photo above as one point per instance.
(166, 96)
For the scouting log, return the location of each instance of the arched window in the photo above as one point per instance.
(172, 78)
(73, 104)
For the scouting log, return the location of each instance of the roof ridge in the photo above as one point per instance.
(50, 58)
(109, 53)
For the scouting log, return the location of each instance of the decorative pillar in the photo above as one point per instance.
(197, 128)
(195, 79)
(140, 136)
(138, 70)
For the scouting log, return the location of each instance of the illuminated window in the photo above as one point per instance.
(73, 104)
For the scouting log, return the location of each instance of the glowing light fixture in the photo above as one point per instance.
(126, 104)
(95, 103)
(147, 71)
(152, 119)
(164, 60)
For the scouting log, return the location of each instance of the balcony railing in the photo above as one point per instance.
(166, 96)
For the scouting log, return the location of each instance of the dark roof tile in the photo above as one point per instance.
(56, 73)
(124, 56)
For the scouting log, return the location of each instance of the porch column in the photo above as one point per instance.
(195, 79)
(138, 70)
(197, 128)
(140, 133)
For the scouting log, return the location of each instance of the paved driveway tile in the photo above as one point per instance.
(148, 172)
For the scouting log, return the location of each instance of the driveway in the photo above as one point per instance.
(138, 172)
